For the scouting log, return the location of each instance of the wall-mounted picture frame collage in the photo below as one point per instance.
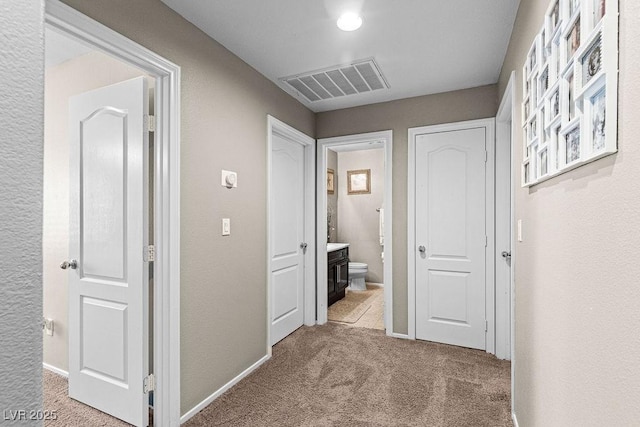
(570, 89)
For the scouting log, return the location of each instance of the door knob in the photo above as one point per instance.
(73, 264)
(422, 249)
(506, 255)
(303, 246)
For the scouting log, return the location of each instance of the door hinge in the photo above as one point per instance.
(486, 326)
(486, 156)
(150, 123)
(486, 241)
(149, 253)
(149, 383)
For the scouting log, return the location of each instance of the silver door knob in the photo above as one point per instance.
(73, 264)
(303, 246)
(422, 249)
(506, 254)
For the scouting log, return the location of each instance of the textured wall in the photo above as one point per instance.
(87, 72)
(357, 216)
(224, 126)
(468, 104)
(21, 111)
(577, 271)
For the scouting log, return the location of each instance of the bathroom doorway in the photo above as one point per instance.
(354, 230)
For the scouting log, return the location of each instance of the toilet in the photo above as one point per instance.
(357, 271)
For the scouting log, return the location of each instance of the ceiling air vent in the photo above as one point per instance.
(342, 80)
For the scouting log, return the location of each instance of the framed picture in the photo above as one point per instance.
(573, 39)
(572, 139)
(598, 113)
(554, 104)
(330, 181)
(599, 10)
(359, 181)
(592, 61)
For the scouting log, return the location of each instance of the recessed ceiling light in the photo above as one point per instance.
(349, 21)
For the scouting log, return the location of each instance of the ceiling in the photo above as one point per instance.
(420, 46)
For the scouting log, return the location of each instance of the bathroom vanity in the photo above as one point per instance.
(338, 274)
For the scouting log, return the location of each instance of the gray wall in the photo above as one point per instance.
(357, 216)
(21, 111)
(577, 270)
(224, 126)
(332, 199)
(79, 75)
(398, 116)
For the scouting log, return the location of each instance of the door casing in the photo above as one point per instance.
(276, 126)
(489, 125)
(166, 269)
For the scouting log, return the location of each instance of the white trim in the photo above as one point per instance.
(515, 419)
(276, 126)
(509, 95)
(55, 370)
(200, 406)
(401, 336)
(386, 137)
(166, 327)
(504, 208)
(489, 125)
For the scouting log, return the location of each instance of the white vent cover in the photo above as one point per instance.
(341, 80)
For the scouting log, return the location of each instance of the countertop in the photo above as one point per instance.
(335, 246)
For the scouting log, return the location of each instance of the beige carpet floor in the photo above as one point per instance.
(336, 375)
(69, 412)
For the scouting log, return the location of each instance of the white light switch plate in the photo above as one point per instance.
(519, 230)
(226, 226)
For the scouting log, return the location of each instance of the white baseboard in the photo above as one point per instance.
(200, 406)
(515, 419)
(55, 370)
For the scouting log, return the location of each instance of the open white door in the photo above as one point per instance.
(108, 280)
(288, 246)
(450, 236)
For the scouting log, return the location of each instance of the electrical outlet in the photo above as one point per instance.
(48, 326)
(226, 226)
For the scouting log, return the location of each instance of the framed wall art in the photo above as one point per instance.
(330, 181)
(359, 181)
(570, 89)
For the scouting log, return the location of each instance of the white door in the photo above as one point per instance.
(287, 236)
(108, 288)
(450, 237)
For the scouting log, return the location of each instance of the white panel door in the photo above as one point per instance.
(287, 237)
(450, 237)
(108, 290)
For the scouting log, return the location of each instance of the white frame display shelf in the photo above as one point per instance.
(570, 89)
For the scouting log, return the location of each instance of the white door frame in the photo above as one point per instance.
(275, 126)
(504, 209)
(386, 137)
(489, 124)
(166, 268)
(505, 137)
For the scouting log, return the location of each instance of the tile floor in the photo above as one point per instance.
(374, 317)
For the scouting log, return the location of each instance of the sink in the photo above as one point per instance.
(335, 246)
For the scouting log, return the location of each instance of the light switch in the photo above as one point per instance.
(519, 230)
(226, 226)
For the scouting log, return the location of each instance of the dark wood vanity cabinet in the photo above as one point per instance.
(338, 275)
